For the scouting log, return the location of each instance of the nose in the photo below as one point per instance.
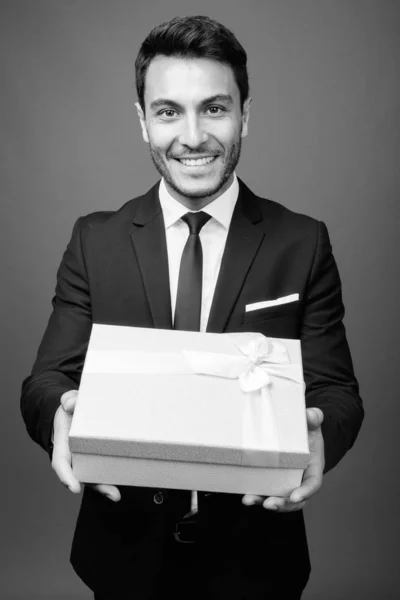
(192, 134)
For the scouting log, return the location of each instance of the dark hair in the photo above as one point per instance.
(193, 37)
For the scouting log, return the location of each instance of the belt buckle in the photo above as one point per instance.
(186, 530)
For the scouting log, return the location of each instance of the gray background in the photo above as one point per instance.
(324, 140)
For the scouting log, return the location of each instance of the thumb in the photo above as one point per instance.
(68, 401)
(315, 416)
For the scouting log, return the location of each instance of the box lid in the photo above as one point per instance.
(139, 397)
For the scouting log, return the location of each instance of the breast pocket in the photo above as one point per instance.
(274, 321)
(271, 312)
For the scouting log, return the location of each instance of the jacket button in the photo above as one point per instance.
(158, 498)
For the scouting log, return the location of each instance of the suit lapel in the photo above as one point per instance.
(243, 242)
(149, 243)
(148, 238)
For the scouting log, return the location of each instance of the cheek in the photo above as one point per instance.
(161, 138)
(226, 132)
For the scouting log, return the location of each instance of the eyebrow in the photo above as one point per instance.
(227, 98)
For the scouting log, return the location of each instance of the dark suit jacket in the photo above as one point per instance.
(115, 271)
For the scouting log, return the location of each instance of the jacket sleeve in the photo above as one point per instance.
(328, 369)
(61, 354)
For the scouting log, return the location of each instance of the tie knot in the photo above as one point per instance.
(195, 221)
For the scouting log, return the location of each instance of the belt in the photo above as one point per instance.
(186, 530)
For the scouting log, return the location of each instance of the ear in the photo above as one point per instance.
(142, 122)
(245, 117)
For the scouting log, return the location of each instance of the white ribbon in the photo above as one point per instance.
(261, 360)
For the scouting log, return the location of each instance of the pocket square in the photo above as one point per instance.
(267, 303)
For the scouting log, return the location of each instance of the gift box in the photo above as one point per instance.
(189, 410)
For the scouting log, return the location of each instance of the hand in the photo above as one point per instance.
(312, 476)
(61, 460)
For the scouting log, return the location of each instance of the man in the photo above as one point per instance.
(139, 266)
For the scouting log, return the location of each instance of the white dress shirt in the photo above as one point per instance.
(213, 237)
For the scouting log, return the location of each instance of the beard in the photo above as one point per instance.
(228, 167)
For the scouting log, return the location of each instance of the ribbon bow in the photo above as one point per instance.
(261, 358)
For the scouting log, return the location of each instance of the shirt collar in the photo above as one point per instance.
(221, 209)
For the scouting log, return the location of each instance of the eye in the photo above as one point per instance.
(168, 112)
(215, 110)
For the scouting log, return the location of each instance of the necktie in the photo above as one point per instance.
(188, 298)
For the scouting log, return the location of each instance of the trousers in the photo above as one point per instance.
(186, 576)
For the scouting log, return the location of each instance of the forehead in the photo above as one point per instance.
(188, 80)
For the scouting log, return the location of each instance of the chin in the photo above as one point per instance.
(197, 189)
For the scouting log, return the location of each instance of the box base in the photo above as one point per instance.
(117, 470)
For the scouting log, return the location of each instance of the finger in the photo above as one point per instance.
(61, 464)
(273, 503)
(312, 482)
(291, 507)
(282, 504)
(315, 416)
(61, 456)
(250, 499)
(306, 490)
(111, 491)
(68, 401)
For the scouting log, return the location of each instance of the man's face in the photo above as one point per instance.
(194, 125)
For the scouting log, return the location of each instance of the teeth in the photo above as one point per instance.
(189, 162)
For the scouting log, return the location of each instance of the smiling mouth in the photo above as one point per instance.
(196, 162)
